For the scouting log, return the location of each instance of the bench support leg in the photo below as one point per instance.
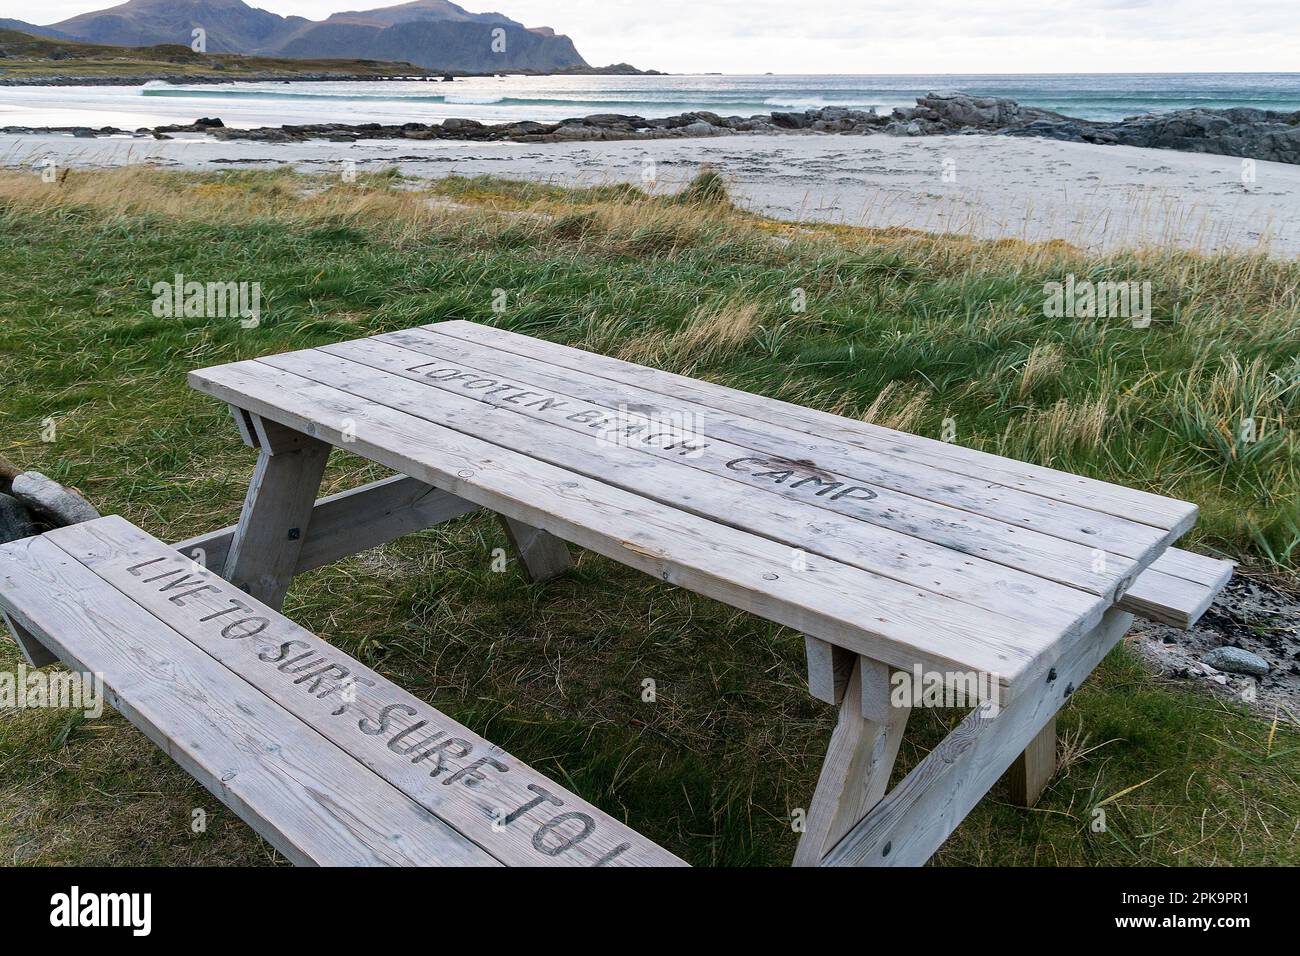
(273, 525)
(913, 820)
(1033, 769)
(36, 653)
(858, 762)
(543, 555)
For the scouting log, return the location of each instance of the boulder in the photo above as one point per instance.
(1234, 660)
(703, 116)
(791, 120)
(701, 128)
(62, 506)
(576, 131)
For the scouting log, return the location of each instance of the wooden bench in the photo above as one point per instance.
(329, 761)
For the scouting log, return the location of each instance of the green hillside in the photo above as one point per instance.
(23, 56)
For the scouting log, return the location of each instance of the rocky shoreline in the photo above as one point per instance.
(1252, 133)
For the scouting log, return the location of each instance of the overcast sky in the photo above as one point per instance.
(881, 36)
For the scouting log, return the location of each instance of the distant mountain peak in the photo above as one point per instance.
(437, 34)
(415, 10)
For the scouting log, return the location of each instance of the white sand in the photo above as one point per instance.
(1100, 197)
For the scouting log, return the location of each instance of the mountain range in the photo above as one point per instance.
(436, 34)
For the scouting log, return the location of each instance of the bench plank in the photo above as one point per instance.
(499, 803)
(311, 801)
(872, 616)
(1139, 506)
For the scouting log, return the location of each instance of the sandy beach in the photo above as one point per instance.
(1097, 197)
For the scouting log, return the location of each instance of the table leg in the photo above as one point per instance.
(914, 819)
(273, 524)
(543, 555)
(1033, 769)
(858, 762)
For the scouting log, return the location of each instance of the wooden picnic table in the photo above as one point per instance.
(898, 557)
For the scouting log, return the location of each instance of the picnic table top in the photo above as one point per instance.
(901, 548)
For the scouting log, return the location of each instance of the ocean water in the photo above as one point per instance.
(550, 98)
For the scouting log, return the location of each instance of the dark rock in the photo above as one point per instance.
(790, 120)
(703, 116)
(16, 520)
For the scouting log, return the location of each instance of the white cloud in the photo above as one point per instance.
(884, 36)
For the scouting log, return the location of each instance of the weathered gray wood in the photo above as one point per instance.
(484, 793)
(909, 824)
(349, 522)
(33, 651)
(856, 771)
(1099, 496)
(1032, 770)
(969, 517)
(829, 669)
(873, 616)
(275, 439)
(658, 474)
(543, 555)
(874, 679)
(244, 425)
(277, 512)
(309, 799)
(1178, 588)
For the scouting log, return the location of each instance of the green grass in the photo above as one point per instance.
(906, 329)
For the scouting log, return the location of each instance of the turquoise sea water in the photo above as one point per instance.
(493, 99)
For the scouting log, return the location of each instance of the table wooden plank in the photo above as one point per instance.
(1168, 514)
(1021, 597)
(947, 504)
(563, 400)
(309, 799)
(475, 787)
(1178, 588)
(870, 615)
